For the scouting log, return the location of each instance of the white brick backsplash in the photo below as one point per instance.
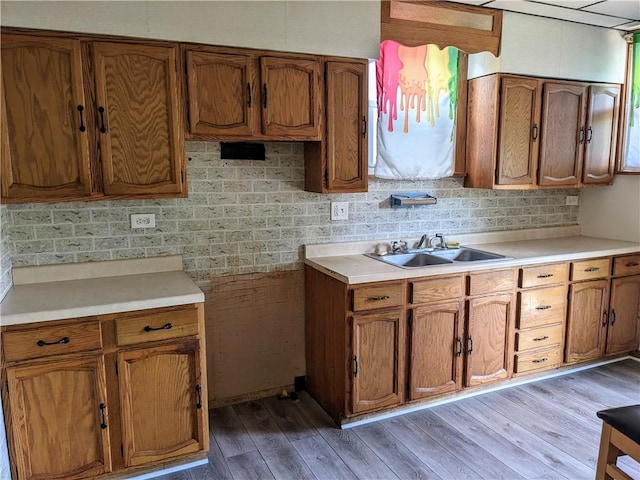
(253, 216)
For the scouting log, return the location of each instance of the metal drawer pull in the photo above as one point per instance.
(355, 361)
(103, 407)
(545, 275)
(199, 392)
(539, 339)
(544, 307)
(633, 264)
(381, 297)
(42, 343)
(592, 269)
(540, 360)
(82, 128)
(459, 343)
(166, 326)
(613, 317)
(470, 351)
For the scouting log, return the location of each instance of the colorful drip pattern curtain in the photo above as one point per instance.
(632, 147)
(417, 99)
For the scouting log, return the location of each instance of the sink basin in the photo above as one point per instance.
(439, 257)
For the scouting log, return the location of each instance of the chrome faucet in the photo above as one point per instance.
(423, 241)
(443, 242)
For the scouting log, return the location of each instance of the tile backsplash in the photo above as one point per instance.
(254, 216)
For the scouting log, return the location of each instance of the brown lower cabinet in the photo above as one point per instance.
(94, 396)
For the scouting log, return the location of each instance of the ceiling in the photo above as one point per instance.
(618, 14)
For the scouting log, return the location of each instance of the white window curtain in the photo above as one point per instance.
(417, 98)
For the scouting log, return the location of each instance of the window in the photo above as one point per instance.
(630, 138)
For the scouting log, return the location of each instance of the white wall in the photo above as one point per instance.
(347, 28)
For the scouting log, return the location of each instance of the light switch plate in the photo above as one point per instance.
(572, 200)
(143, 220)
(339, 211)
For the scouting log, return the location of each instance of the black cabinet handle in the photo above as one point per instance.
(364, 126)
(470, 346)
(103, 407)
(82, 128)
(249, 95)
(42, 343)
(264, 95)
(545, 275)
(632, 264)
(539, 339)
(378, 299)
(540, 360)
(605, 318)
(591, 269)
(613, 316)
(199, 392)
(355, 361)
(590, 134)
(581, 135)
(459, 344)
(103, 129)
(544, 307)
(535, 131)
(166, 326)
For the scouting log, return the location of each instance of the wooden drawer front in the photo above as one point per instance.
(543, 275)
(627, 264)
(491, 282)
(545, 359)
(370, 298)
(538, 338)
(51, 340)
(154, 326)
(542, 307)
(436, 289)
(590, 269)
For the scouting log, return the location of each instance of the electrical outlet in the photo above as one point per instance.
(143, 220)
(572, 200)
(339, 211)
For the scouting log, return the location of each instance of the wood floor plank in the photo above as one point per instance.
(537, 447)
(249, 466)
(228, 431)
(576, 385)
(323, 461)
(216, 469)
(509, 453)
(393, 453)
(573, 404)
(430, 452)
(616, 381)
(280, 456)
(290, 420)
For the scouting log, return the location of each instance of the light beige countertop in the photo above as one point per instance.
(55, 292)
(346, 262)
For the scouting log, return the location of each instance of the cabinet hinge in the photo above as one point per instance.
(122, 450)
(7, 386)
(182, 175)
(116, 368)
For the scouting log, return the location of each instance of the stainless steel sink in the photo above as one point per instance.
(438, 257)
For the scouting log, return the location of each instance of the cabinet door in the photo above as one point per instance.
(59, 421)
(602, 130)
(587, 321)
(223, 98)
(488, 345)
(45, 154)
(562, 135)
(519, 130)
(377, 360)
(291, 98)
(346, 127)
(624, 316)
(435, 350)
(139, 120)
(163, 402)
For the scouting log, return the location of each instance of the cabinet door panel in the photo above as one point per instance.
(346, 127)
(519, 119)
(291, 98)
(563, 134)
(602, 130)
(377, 361)
(46, 151)
(163, 402)
(56, 419)
(586, 325)
(142, 142)
(223, 98)
(490, 323)
(436, 350)
(624, 316)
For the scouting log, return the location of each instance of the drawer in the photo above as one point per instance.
(378, 296)
(538, 276)
(156, 325)
(627, 264)
(494, 281)
(542, 306)
(590, 269)
(56, 339)
(539, 338)
(436, 289)
(538, 360)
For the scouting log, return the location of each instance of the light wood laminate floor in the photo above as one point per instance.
(542, 430)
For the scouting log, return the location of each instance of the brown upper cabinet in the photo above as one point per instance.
(84, 119)
(525, 133)
(237, 94)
